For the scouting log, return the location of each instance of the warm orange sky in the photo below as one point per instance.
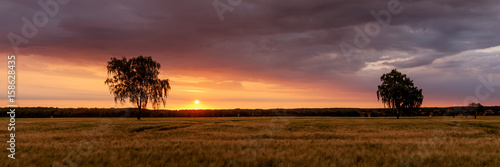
(262, 54)
(55, 82)
(45, 81)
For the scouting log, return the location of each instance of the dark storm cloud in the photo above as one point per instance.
(284, 40)
(180, 26)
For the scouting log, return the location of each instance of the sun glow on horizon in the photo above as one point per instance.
(196, 102)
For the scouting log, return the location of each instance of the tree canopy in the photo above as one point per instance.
(476, 108)
(398, 91)
(136, 79)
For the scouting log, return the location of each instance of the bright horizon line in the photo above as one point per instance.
(237, 108)
(216, 105)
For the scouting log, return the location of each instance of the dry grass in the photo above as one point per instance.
(264, 141)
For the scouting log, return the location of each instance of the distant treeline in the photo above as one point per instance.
(48, 112)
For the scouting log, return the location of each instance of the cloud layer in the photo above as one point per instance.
(443, 45)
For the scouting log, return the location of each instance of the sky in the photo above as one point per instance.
(255, 54)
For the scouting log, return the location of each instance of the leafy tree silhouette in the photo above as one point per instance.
(476, 108)
(137, 80)
(397, 91)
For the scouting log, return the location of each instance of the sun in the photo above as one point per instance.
(196, 101)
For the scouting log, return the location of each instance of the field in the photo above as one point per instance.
(256, 141)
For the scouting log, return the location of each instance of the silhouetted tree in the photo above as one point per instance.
(480, 109)
(137, 80)
(397, 91)
(476, 108)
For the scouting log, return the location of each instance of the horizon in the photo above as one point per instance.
(315, 54)
(241, 108)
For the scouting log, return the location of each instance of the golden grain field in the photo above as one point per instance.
(255, 141)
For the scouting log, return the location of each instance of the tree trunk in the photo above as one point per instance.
(139, 113)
